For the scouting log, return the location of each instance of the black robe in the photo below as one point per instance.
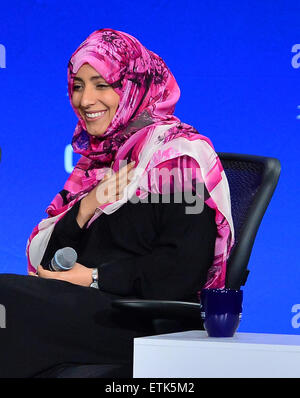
(145, 250)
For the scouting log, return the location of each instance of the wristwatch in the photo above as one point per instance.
(95, 278)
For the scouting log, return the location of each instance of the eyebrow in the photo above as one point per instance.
(91, 78)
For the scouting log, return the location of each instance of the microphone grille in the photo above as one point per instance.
(66, 257)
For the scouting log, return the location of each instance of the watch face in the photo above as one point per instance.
(94, 284)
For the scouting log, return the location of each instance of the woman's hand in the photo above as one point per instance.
(79, 274)
(110, 189)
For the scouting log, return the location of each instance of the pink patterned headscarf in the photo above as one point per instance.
(144, 129)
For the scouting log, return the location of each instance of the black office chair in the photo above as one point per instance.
(252, 181)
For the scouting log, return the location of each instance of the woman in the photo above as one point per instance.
(126, 210)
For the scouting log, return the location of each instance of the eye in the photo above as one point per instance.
(102, 85)
(76, 87)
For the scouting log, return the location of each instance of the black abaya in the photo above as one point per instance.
(145, 250)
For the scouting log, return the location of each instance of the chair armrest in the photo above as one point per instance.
(156, 309)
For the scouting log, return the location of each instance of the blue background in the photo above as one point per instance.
(239, 86)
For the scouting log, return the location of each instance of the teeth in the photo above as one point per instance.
(95, 114)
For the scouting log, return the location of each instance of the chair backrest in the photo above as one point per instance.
(252, 181)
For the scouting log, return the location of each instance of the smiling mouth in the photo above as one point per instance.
(91, 116)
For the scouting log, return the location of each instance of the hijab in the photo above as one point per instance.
(144, 129)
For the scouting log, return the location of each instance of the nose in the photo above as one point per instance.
(88, 97)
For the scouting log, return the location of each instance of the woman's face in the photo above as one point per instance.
(94, 99)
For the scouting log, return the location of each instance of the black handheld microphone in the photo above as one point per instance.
(63, 260)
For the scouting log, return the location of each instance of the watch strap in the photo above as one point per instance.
(95, 278)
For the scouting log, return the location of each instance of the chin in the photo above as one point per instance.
(96, 130)
(96, 133)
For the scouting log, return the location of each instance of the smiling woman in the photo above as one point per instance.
(94, 99)
(124, 96)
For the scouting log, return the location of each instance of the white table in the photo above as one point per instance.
(193, 354)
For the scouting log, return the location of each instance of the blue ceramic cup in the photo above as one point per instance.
(221, 311)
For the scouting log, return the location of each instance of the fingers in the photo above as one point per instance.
(125, 174)
(125, 171)
(43, 273)
(112, 188)
(108, 174)
(120, 174)
(126, 168)
(131, 174)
